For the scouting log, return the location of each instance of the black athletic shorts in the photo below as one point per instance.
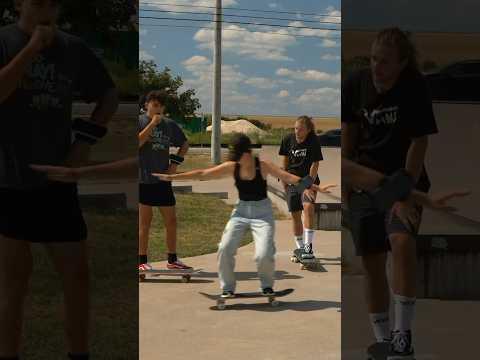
(47, 214)
(295, 200)
(371, 228)
(158, 194)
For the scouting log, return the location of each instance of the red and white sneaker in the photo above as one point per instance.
(178, 265)
(145, 267)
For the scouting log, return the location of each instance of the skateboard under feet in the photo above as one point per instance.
(185, 274)
(379, 351)
(306, 263)
(221, 302)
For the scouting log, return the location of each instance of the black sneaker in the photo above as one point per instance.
(378, 350)
(308, 252)
(227, 294)
(268, 291)
(401, 347)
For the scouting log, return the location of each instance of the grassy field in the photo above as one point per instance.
(113, 245)
(194, 237)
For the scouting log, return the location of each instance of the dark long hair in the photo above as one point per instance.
(239, 145)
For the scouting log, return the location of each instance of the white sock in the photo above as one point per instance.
(308, 235)
(404, 312)
(381, 326)
(299, 241)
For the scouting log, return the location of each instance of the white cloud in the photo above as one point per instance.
(154, 46)
(283, 94)
(261, 82)
(328, 43)
(330, 57)
(333, 15)
(143, 55)
(273, 5)
(249, 43)
(233, 98)
(170, 5)
(309, 75)
(320, 101)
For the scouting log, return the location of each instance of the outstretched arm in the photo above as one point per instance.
(287, 178)
(126, 167)
(220, 171)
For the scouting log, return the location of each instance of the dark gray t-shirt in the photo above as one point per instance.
(154, 154)
(35, 120)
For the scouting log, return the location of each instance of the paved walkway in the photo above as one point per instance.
(176, 322)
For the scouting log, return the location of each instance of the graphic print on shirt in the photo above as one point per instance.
(299, 153)
(160, 141)
(46, 84)
(378, 125)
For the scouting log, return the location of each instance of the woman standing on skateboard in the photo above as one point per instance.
(253, 210)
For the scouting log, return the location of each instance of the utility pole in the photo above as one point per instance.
(217, 87)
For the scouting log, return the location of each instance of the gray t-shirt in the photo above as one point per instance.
(154, 154)
(36, 119)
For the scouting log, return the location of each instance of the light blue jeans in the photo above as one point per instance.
(257, 216)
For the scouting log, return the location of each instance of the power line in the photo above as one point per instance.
(239, 30)
(242, 9)
(241, 16)
(239, 23)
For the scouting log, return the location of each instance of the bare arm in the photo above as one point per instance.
(126, 167)
(273, 170)
(147, 131)
(104, 110)
(416, 156)
(13, 72)
(220, 171)
(314, 169)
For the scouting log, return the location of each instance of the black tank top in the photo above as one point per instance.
(251, 190)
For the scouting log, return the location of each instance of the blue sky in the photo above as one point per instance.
(263, 73)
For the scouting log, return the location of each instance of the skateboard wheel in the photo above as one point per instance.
(186, 278)
(221, 305)
(142, 277)
(294, 259)
(274, 303)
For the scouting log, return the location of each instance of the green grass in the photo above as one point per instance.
(273, 137)
(201, 220)
(195, 237)
(113, 246)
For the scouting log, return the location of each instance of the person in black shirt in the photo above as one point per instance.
(41, 68)
(387, 117)
(301, 154)
(253, 210)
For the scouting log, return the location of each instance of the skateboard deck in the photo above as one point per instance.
(221, 302)
(306, 263)
(185, 274)
(378, 351)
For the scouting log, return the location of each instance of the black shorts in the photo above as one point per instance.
(371, 228)
(47, 214)
(295, 200)
(159, 194)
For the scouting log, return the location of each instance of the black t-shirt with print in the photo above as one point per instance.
(301, 155)
(388, 122)
(36, 119)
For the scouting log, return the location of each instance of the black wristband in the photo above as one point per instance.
(305, 183)
(396, 187)
(176, 159)
(88, 131)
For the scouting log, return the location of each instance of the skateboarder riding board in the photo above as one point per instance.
(253, 210)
